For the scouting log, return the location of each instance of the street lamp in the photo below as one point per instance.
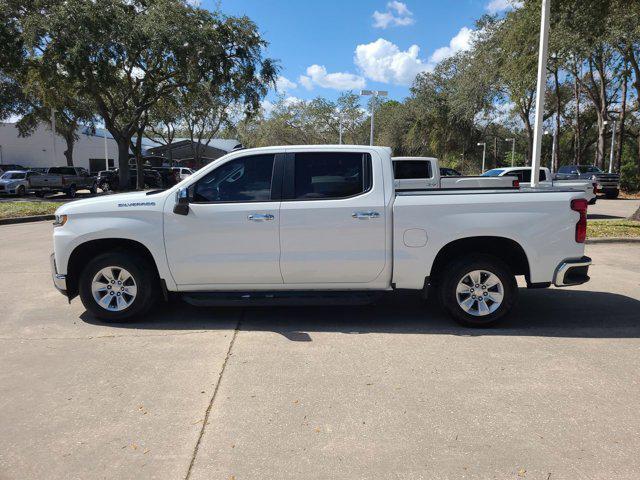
(513, 148)
(613, 142)
(374, 95)
(540, 91)
(484, 153)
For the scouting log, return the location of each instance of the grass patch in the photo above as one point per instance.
(612, 228)
(27, 209)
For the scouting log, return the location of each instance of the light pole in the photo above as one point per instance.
(613, 145)
(339, 127)
(374, 95)
(513, 148)
(540, 92)
(484, 153)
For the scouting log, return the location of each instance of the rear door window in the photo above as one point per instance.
(331, 175)
(410, 169)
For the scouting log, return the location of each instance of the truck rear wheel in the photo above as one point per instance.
(118, 286)
(478, 290)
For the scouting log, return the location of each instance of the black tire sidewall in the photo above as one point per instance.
(143, 274)
(457, 269)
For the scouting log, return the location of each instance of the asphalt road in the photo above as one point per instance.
(394, 390)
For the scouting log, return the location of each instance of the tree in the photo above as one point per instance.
(126, 55)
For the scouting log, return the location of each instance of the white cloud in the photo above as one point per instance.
(397, 15)
(194, 3)
(383, 61)
(283, 84)
(460, 43)
(317, 75)
(497, 6)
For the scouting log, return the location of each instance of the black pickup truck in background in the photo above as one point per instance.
(109, 180)
(607, 183)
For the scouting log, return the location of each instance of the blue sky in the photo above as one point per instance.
(325, 47)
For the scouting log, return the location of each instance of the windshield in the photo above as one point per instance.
(13, 176)
(588, 169)
(493, 173)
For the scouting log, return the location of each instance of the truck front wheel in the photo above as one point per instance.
(118, 286)
(478, 290)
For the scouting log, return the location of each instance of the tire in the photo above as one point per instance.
(71, 191)
(39, 194)
(93, 189)
(127, 307)
(611, 194)
(484, 312)
(21, 191)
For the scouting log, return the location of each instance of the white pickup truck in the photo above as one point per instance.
(298, 222)
(523, 174)
(423, 173)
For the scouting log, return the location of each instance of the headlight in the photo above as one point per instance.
(60, 220)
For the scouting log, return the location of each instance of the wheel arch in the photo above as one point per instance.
(506, 249)
(82, 253)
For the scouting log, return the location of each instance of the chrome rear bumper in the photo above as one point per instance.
(572, 271)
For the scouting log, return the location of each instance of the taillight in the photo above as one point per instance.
(515, 183)
(580, 205)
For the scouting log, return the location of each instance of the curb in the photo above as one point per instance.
(613, 240)
(33, 218)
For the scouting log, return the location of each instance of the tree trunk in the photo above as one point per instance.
(139, 163)
(529, 135)
(68, 153)
(623, 111)
(123, 162)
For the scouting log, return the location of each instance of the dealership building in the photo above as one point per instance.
(94, 149)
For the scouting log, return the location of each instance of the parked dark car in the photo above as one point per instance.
(109, 180)
(607, 183)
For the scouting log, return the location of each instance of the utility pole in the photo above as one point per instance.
(540, 92)
(340, 128)
(613, 146)
(484, 154)
(374, 96)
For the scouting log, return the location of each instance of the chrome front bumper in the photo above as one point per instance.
(59, 281)
(572, 271)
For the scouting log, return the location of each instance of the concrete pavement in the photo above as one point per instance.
(394, 390)
(617, 209)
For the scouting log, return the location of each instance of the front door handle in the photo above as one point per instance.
(365, 215)
(261, 217)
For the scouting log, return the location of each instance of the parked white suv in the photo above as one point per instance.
(301, 221)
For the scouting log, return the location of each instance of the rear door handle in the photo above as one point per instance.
(365, 215)
(260, 217)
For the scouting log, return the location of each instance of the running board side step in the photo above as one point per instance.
(288, 298)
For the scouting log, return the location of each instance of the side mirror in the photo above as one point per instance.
(182, 202)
